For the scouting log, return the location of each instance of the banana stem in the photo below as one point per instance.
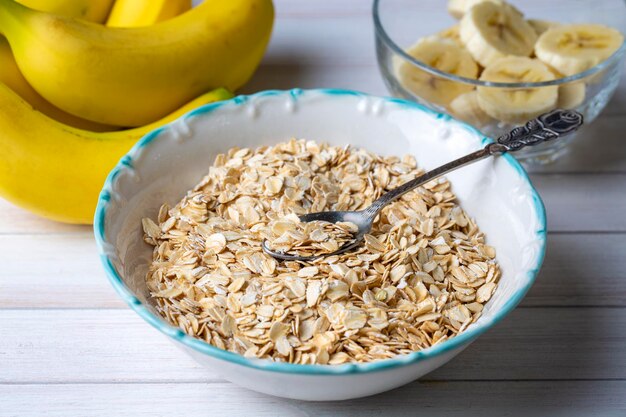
(9, 12)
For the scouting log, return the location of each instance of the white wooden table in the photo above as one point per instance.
(70, 347)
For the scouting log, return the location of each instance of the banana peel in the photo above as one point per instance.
(11, 76)
(57, 171)
(95, 11)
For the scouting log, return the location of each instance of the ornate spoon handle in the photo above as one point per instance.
(546, 127)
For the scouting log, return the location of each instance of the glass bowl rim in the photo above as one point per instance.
(390, 43)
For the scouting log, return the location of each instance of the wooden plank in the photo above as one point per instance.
(286, 9)
(583, 202)
(89, 346)
(53, 271)
(579, 270)
(449, 399)
(14, 220)
(328, 40)
(41, 346)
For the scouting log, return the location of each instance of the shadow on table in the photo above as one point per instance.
(281, 71)
(286, 69)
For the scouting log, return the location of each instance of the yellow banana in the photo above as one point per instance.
(57, 171)
(137, 74)
(13, 78)
(90, 10)
(138, 13)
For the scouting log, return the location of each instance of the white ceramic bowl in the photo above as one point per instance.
(170, 161)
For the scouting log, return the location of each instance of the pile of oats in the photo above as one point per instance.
(422, 276)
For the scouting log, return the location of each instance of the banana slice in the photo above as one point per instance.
(571, 49)
(457, 8)
(444, 55)
(451, 33)
(465, 107)
(519, 104)
(491, 31)
(541, 26)
(571, 95)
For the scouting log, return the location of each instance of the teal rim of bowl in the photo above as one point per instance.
(456, 342)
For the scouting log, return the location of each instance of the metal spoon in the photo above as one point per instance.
(548, 126)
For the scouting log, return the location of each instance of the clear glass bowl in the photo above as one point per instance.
(400, 23)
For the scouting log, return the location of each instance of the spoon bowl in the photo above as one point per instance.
(360, 218)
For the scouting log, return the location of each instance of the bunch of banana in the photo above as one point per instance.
(138, 74)
(143, 13)
(509, 49)
(67, 85)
